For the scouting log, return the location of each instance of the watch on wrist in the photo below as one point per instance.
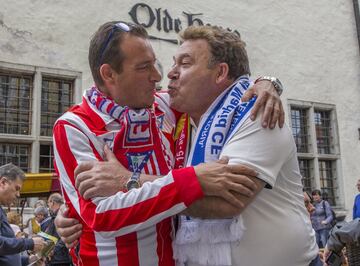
(274, 81)
(134, 181)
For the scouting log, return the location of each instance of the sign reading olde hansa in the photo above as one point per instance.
(164, 21)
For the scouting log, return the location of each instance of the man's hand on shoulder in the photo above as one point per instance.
(267, 99)
(101, 179)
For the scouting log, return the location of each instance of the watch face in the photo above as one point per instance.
(132, 184)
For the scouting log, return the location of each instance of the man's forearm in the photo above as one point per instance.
(217, 208)
(10, 246)
(211, 208)
(148, 178)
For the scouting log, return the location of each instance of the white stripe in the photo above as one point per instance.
(148, 223)
(118, 111)
(107, 251)
(123, 200)
(81, 151)
(79, 123)
(65, 180)
(147, 246)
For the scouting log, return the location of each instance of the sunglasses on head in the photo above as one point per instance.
(118, 26)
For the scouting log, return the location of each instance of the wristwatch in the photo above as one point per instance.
(274, 81)
(134, 181)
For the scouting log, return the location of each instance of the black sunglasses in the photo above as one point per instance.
(118, 26)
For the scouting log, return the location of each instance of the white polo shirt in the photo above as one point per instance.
(278, 229)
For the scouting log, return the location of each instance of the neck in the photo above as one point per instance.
(105, 92)
(197, 114)
(196, 119)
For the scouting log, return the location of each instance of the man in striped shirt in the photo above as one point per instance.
(130, 228)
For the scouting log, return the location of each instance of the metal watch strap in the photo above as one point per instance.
(275, 82)
(134, 181)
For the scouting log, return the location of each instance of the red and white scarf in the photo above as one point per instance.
(138, 138)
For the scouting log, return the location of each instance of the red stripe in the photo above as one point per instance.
(138, 213)
(88, 250)
(160, 158)
(188, 185)
(62, 147)
(108, 108)
(146, 169)
(127, 250)
(164, 243)
(92, 120)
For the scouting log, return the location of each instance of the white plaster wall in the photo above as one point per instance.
(310, 45)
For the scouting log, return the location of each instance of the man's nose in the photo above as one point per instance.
(155, 75)
(173, 73)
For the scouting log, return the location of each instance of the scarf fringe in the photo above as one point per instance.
(206, 242)
(211, 254)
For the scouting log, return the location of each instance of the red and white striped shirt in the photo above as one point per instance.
(132, 228)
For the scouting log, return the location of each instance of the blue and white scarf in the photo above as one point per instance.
(203, 241)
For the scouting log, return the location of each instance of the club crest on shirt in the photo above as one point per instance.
(137, 160)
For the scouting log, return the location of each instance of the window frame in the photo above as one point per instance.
(50, 114)
(18, 110)
(313, 154)
(38, 73)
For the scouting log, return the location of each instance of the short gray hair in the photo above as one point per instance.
(40, 203)
(41, 210)
(11, 172)
(57, 198)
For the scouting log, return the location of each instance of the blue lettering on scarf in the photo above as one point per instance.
(221, 122)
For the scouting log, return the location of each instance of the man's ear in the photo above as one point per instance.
(106, 73)
(222, 74)
(3, 181)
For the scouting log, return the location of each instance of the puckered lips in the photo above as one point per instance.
(172, 89)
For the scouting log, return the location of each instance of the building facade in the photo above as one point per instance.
(311, 46)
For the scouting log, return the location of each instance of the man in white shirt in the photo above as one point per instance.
(277, 227)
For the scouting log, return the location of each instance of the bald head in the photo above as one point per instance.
(55, 200)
